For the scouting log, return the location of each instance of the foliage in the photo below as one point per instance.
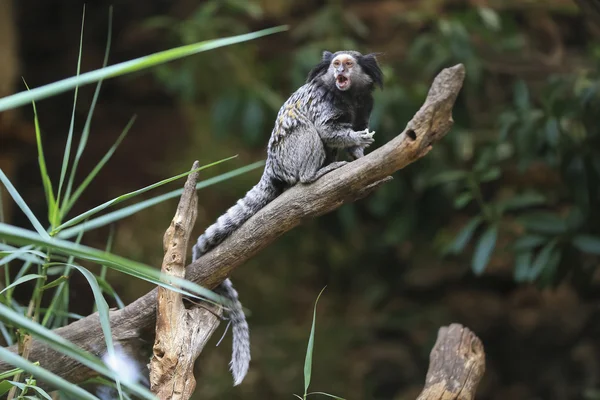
(550, 126)
(47, 251)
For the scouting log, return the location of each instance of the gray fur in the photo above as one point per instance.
(315, 122)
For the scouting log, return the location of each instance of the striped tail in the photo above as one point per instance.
(259, 196)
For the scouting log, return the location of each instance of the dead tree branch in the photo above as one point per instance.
(133, 326)
(181, 332)
(456, 365)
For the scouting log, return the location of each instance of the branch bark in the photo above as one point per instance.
(456, 365)
(181, 332)
(132, 326)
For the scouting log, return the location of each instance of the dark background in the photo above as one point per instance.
(526, 129)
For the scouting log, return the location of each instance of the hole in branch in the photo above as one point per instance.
(411, 134)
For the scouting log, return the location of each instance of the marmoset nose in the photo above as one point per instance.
(340, 69)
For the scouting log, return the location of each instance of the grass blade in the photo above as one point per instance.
(88, 120)
(62, 345)
(22, 204)
(102, 313)
(127, 67)
(24, 386)
(60, 298)
(67, 152)
(22, 279)
(142, 271)
(67, 207)
(309, 349)
(24, 253)
(326, 394)
(134, 208)
(45, 375)
(129, 195)
(48, 191)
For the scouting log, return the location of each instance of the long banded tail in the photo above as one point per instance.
(259, 196)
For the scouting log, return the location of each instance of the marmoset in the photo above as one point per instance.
(328, 114)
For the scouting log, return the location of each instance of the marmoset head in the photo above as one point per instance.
(348, 70)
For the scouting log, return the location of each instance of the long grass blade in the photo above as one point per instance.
(62, 345)
(48, 191)
(24, 253)
(102, 307)
(135, 208)
(61, 294)
(22, 236)
(88, 121)
(22, 204)
(67, 152)
(309, 349)
(127, 67)
(129, 195)
(45, 375)
(86, 182)
(22, 279)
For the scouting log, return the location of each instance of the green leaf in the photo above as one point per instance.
(490, 175)
(103, 313)
(22, 204)
(48, 191)
(121, 264)
(490, 18)
(129, 195)
(546, 258)
(483, 250)
(127, 67)
(522, 266)
(464, 236)
(56, 282)
(67, 152)
(521, 95)
(97, 168)
(587, 243)
(64, 346)
(326, 394)
(134, 208)
(462, 200)
(52, 379)
(22, 279)
(24, 253)
(86, 128)
(309, 349)
(527, 242)
(24, 386)
(544, 222)
(9, 374)
(521, 201)
(106, 287)
(446, 177)
(5, 386)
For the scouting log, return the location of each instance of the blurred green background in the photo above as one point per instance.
(498, 228)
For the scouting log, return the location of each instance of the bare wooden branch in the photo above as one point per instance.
(132, 326)
(181, 332)
(456, 365)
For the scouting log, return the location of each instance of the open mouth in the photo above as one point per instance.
(342, 82)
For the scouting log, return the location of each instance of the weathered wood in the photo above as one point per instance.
(132, 326)
(181, 332)
(456, 365)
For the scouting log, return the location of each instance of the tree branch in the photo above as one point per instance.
(181, 332)
(132, 326)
